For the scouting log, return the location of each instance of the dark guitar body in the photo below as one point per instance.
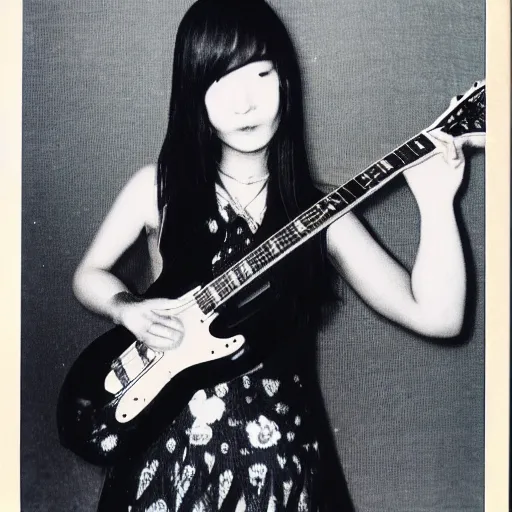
(85, 410)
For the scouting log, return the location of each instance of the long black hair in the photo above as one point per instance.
(214, 38)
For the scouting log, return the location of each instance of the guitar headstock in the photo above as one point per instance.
(466, 115)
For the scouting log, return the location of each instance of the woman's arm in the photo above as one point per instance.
(431, 299)
(99, 290)
(93, 284)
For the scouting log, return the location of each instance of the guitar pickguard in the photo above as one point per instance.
(140, 374)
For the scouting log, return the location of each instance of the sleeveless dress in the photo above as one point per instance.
(249, 444)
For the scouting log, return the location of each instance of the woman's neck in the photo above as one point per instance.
(244, 167)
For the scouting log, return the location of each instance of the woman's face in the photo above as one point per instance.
(243, 106)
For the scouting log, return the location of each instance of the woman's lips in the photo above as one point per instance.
(247, 128)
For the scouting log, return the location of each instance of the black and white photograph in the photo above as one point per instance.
(253, 262)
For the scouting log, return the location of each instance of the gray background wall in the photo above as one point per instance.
(407, 414)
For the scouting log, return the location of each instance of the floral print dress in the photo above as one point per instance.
(243, 445)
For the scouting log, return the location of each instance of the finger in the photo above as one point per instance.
(168, 321)
(171, 340)
(441, 136)
(160, 344)
(165, 312)
(160, 303)
(476, 140)
(447, 145)
(163, 331)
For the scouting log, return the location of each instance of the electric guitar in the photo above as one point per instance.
(120, 393)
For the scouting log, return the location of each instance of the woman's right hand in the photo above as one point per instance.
(149, 320)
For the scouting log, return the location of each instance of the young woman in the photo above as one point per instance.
(233, 169)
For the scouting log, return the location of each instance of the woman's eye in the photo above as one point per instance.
(265, 73)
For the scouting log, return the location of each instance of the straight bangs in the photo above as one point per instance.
(241, 49)
(223, 40)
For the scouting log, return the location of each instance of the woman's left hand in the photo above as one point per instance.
(438, 178)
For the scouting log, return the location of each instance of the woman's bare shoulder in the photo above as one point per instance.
(142, 186)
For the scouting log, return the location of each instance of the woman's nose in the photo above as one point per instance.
(242, 101)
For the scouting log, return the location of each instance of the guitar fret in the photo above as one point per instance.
(382, 168)
(335, 198)
(345, 196)
(289, 237)
(205, 298)
(371, 177)
(395, 161)
(252, 262)
(234, 278)
(246, 269)
(214, 293)
(224, 286)
(274, 249)
(258, 259)
(377, 173)
(422, 144)
(386, 164)
(364, 180)
(354, 188)
(318, 217)
(306, 219)
(240, 276)
(298, 228)
(406, 154)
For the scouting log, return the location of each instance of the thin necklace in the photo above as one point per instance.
(242, 210)
(236, 201)
(242, 182)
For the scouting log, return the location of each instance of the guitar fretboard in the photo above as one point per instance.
(310, 222)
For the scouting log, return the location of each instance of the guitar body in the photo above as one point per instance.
(108, 400)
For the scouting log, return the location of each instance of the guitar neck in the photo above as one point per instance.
(310, 222)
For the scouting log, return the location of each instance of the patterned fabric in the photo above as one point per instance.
(243, 445)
